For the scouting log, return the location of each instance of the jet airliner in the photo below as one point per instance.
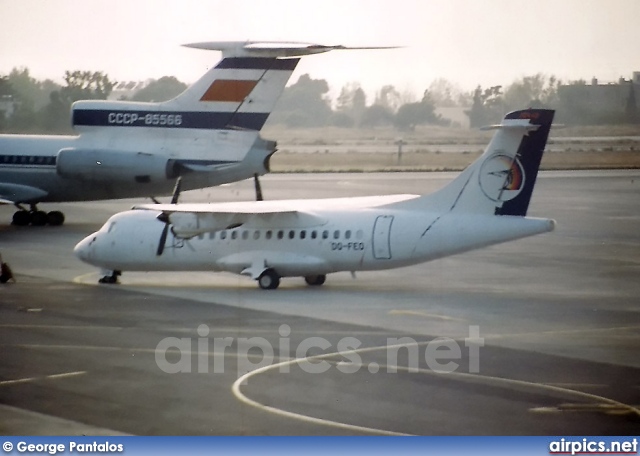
(208, 135)
(268, 240)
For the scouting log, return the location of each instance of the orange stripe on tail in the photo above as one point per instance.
(228, 90)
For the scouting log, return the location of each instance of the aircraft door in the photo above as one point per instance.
(382, 237)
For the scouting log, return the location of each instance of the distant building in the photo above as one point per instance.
(608, 99)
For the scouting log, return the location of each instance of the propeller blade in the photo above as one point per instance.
(256, 183)
(176, 191)
(163, 240)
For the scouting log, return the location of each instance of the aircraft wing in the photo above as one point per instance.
(16, 193)
(189, 220)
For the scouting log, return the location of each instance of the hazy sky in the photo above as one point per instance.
(469, 42)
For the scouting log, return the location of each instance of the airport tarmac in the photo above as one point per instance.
(555, 321)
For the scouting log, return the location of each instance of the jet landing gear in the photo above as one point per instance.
(269, 280)
(34, 217)
(111, 278)
(316, 280)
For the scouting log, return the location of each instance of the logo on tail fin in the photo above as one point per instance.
(501, 178)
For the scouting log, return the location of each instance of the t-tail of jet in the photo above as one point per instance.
(238, 93)
(501, 180)
(209, 134)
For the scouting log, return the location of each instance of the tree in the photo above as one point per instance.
(423, 112)
(352, 102)
(376, 115)
(5, 96)
(537, 91)
(444, 93)
(304, 104)
(388, 97)
(487, 107)
(85, 85)
(163, 89)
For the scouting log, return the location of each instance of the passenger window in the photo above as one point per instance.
(280, 234)
(234, 235)
(314, 234)
(325, 234)
(256, 235)
(201, 236)
(245, 235)
(303, 234)
(223, 234)
(336, 234)
(212, 235)
(347, 234)
(292, 234)
(268, 234)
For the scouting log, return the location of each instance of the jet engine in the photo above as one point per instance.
(114, 165)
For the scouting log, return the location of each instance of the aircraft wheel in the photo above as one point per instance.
(269, 280)
(110, 279)
(21, 218)
(315, 280)
(38, 218)
(55, 218)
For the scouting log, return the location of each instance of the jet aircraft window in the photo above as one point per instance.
(280, 234)
(336, 234)
(234, 234)
(347, 234)
(245, 235)
(212, 235)
(292, 234)
(268, 234)
(201, 236)
(111, 225)
(256, 235)
(325, 234)
(314, 234)
(303, 234)
(223, 234)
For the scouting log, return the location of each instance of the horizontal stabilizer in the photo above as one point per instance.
(272, 48)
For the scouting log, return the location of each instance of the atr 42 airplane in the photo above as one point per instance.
(267, 240)
(208, 135)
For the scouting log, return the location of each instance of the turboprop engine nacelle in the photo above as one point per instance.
(114, 165)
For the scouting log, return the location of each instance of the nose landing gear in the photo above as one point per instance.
(110, 278)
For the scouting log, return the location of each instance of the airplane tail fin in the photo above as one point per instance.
(238, 93)
(501, 180)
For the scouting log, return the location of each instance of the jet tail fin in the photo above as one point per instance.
(501, 180)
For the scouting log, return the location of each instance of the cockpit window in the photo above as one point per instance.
(111, 225)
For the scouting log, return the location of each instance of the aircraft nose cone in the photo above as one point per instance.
(83, 248)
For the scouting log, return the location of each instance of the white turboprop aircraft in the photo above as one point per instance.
(209, 135)
(266, 240)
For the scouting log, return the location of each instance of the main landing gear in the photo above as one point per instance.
(34, 217)
(110, 278)
(316, 280)
(270, 280)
